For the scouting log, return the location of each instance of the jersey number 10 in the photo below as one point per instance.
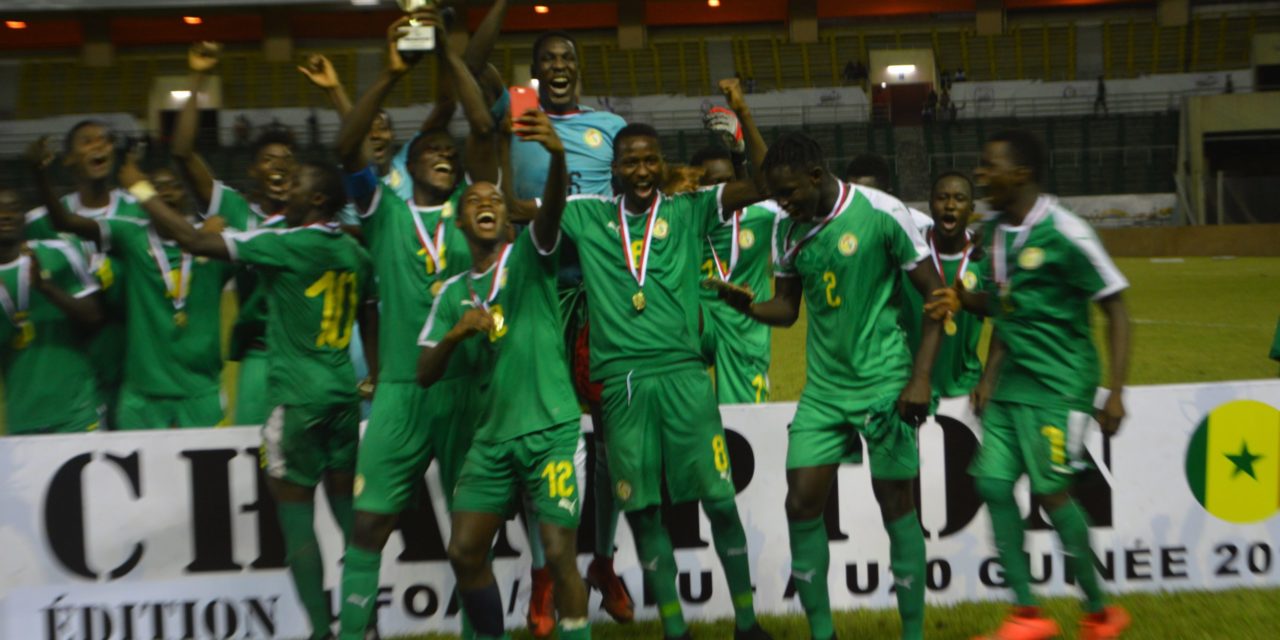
(339, 291)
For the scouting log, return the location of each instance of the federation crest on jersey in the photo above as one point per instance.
(436, 287)
(593, 138)
(970, 280)
(1031, 258)
(746, 238)
(357, 486)
(624, 490)
(394, 179)
(447, 211)
(848, 244)
(661, 228)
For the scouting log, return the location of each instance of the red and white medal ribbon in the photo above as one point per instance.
(24, 293)
(177, 291)
(733, 249)
(842, 200)
(495, 286)
(639, 272)
(964, 261)
(432, 247)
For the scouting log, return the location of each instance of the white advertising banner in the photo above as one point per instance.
(171, 534)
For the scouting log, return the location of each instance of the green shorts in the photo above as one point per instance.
(454, 410)
(252, 404)
(301, 443)
(825, 433)
(542, 465)
(83, 421)
(1044, 442)
(665, 425)
(741, 378)
(137, 411)
(395, 450)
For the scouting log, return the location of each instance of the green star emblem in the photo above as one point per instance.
(1243, 461)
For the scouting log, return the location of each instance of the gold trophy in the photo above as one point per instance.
(418, 37)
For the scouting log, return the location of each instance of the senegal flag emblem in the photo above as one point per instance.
(1233, 461)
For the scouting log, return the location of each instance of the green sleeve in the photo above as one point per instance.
(39, 226)
(706, 208)
(68, 270)
(264, 248)
(444, 314)
(230, 205)
(1275, 344)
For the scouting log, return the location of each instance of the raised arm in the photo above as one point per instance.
(356, 124)
(482, 152)
(85, 310)
(40, 157)
(433, 361)
(321, 73)
(202, 58)
(535, 126)
(480, 46)
(170, 223)
(1118, 349)
(755, 146)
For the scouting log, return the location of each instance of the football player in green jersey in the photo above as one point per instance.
(956, 256)
(530, 435)
(44, 361)
(317, 279)
(640, 253)
(90, 151)
(270, 172)
(842, 250)
(1046, 266)
(172, 302)
(740, 251)
(415, 247)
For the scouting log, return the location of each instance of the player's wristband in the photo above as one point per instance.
(142, 191)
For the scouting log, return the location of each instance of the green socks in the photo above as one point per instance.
(907, 562)
(731, 545)
(607, 511)
(1008, 529)
(302, 554)
(658, 560)
(344, 513)
(1073, 530)
(810, 560)
(359, 591)
(579, 629)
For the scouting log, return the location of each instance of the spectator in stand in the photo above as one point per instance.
(1100, 101)
(930, 106)
(959, 76)
(243, 129)
(850, 72)
(1230, 86)
(946, 108)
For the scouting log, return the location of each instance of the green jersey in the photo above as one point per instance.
(530, 383)
(415, 249)
(740, 251)
(315, 278)
(107, 349)
(642, 276)
(1046, 272)
(48, 377)
(957, 369)
(850, 264)
(173, 304)
(241, 215)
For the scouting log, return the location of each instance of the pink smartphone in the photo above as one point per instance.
(522, 100)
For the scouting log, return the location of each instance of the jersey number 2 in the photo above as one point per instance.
(833, 300)
(339, 291)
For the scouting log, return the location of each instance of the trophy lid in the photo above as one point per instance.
(410, 6)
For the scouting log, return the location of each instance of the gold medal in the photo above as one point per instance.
(950, 326)
(26, 331)
(180, 319)
(637, 301)
(499, 324)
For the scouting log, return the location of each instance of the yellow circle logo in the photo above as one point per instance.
(357, 487)
(848, 244)
(436, 287)
(1233, 461)
(593, 138)
(624, 490)
(660, 228)
(394, 179)
(447, 211)
(970, 280)
(746, 239)
(1031, 258)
